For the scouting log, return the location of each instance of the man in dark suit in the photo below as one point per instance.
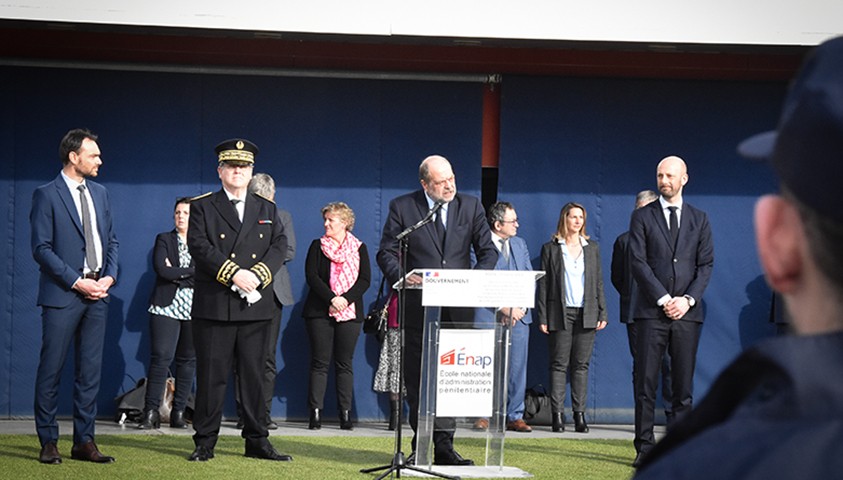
(672, 254)
(775, 411)
(624, 283)
(447, 242)
(75, 247)
(237, 245)
(513, 255)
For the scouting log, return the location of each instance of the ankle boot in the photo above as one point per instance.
(579, 422)
(177, 419)
(315, 419)
(151, 419)
(558, 422)
(345, 420)
(393, 415)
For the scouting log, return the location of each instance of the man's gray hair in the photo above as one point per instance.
(263, 185)
(644, 197)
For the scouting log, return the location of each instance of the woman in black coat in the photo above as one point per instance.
(338, 274)
(171, 336)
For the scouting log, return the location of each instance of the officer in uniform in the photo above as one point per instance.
(237, 245)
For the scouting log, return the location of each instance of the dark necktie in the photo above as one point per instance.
(674, 226)
(87, 228)
(440, 227)
(234, 202)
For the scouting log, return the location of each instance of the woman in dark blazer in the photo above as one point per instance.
(338, 274)
(171, 336)
(571, 307)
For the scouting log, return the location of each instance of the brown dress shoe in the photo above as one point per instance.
(518, 426)
(481, 424)
(50, 454)
(89, 453)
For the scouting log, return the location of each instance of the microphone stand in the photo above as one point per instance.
(399, 461)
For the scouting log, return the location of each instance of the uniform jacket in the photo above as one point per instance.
(550, 304)
(773, 413)
(317, 269)
(220, 247)
(169, 278)
(659, 269)
(58, 241)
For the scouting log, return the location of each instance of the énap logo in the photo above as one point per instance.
(463, 359)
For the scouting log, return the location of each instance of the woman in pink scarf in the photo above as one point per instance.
(338, 274)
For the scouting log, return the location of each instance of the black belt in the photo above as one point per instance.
(91, 276)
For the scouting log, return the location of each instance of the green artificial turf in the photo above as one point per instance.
(165, 457)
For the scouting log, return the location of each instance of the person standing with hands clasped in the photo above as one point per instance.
(338, 273)
(571, 308)
(237, 245)
(74, 244)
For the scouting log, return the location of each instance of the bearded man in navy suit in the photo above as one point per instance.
(672, 255)
(75, 247)
(445, 243)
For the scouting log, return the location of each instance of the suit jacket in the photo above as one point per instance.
(317, 269)
(466, 229)
(550, 304)
(281, 284)
(58, 241)
(659, 269)
(519, 259)
(169, 278)
(622, 278)
(221, 246)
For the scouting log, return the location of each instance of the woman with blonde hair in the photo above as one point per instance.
(571, 307)
(338, 273)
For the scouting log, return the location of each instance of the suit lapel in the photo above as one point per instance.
(67, 198)
(430, 228)
(250, 214)
(226, 210)
(658, 217)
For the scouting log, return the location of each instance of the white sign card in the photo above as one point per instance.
(465, 373)
(479, 288)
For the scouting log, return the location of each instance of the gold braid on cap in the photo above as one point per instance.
(226, 272)
(237, 156)
(263, 272)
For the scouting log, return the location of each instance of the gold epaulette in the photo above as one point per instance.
(200, 196)
(227, 271)
(263, 273)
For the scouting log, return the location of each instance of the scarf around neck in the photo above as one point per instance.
(345, 266)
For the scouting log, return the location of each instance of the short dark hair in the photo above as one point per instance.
(497, 212)
(72, 142)
(180, 201)
(824, 239)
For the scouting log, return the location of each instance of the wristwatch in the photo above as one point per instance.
(691, 301)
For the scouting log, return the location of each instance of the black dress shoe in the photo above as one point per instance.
(637, 462)
(558, 422)
(267, 452)
(450, 457)
(90, 453)
(201, 454)
(239, 425)
(150, 419)
(345, 420)
(177, 419)
(315, 422)
(50, 454)
(579, 422)
(270, 425)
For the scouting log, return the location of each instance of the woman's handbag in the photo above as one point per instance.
(537, 406)
(376, 320)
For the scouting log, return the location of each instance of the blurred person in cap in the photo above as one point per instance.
(237, 245)
(775, 411)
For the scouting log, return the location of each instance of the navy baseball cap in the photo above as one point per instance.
(806, 149)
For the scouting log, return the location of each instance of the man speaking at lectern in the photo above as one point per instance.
(445, 243)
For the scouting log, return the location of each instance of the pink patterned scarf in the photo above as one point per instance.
(345, 266)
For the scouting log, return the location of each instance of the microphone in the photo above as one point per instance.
(424, 221)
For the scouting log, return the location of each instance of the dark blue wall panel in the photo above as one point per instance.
(597, 142)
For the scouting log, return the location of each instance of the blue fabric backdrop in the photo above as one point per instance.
(596, 141)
